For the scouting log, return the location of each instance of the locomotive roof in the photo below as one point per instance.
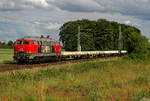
(36, 38)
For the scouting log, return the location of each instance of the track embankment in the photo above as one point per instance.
(15, 66)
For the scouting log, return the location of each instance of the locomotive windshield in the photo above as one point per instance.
(26, 42)
(36, 43)
(57, 43)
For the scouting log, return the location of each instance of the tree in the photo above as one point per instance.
(68, 35)
(10, 44)
(136, 44)
(5, 45)
(104, 35)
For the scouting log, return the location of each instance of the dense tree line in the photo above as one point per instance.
(104, 35)
(6, 45)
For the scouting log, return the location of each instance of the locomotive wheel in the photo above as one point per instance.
(20, 61)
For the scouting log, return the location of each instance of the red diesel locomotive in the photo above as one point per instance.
(30, 49)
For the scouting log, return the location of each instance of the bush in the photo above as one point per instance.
(136, 44)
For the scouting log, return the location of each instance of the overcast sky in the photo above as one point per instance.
(20, 18)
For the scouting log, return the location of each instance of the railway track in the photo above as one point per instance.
(15, 66)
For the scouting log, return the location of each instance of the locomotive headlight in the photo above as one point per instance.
(30, 52)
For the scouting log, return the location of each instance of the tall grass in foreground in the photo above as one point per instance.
(91, 81)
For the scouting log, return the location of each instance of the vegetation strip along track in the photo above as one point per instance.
(16, 66)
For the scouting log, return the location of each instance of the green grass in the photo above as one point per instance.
(120, 80)
(6, 56)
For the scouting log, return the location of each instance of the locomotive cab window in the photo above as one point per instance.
(57, 43)
(26, 42)
(48, 43)
(19, 42)
(39, 43)
(35, 43)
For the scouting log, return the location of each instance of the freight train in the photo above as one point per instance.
(41, 49)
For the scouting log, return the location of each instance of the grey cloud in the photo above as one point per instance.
(12, 28)
(77, 5)
(136, 8)
(10, 5)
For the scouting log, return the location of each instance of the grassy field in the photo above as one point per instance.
(6, 56)
(115, 80)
